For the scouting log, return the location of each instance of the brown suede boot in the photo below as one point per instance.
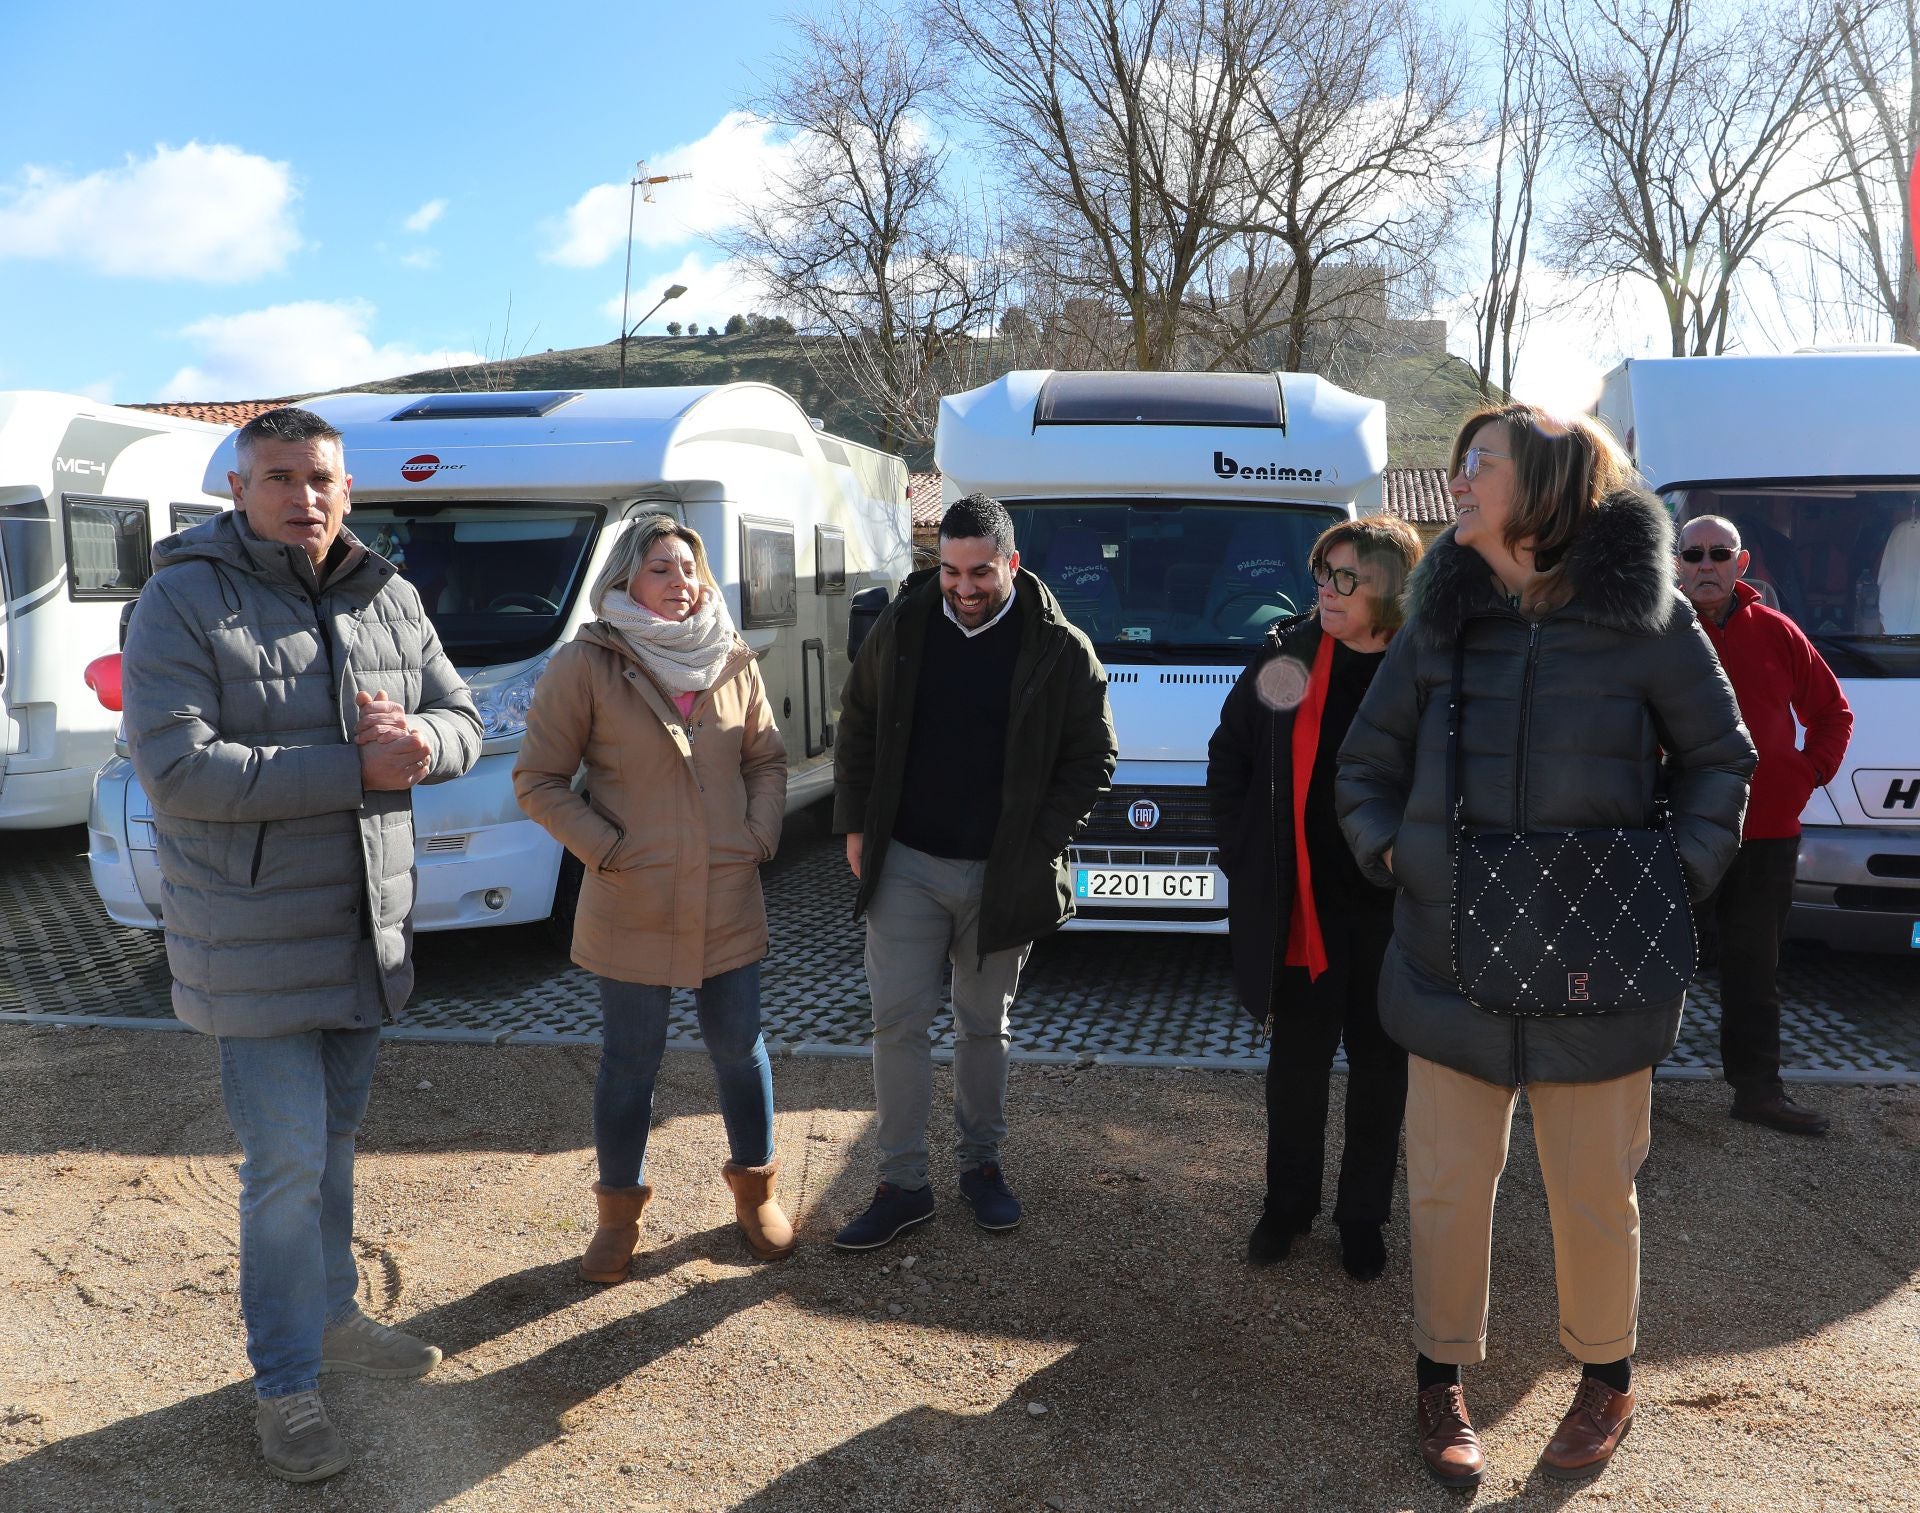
(762, 1221)
(610, 1251)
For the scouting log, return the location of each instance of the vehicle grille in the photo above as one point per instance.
(1185, 819)
(443, 844)
(1879, 900)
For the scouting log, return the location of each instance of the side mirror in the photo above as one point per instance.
(863, 612)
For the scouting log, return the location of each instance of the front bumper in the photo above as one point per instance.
(1858, 888)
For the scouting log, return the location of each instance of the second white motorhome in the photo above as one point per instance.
(1816, 458)
(500, 509)
(85, 490)
(1172, 515)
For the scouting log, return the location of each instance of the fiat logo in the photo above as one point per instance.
(1144, 814)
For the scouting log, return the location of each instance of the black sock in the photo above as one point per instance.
(1432, 1373)
(1616, 1374)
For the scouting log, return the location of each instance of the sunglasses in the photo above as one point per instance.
(1701, 553)
(1474, 457)
(1346, 582)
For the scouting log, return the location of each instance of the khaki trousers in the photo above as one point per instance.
(1592, 1137)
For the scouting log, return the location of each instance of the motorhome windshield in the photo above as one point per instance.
(1842, 560)
(497, 579)
(1161, 580)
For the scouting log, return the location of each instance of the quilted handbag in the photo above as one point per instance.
(1564, 922)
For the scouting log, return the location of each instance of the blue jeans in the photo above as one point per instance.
(633, 1037)
(295, 1102)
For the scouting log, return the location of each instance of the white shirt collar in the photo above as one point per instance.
(981, 630)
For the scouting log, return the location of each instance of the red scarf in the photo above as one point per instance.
(1305, 948)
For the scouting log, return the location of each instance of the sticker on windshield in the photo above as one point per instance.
(1136, 633)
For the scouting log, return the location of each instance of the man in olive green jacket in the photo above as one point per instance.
(974, 741)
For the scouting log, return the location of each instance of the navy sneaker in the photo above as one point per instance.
(893, 1212)
(994, 1205)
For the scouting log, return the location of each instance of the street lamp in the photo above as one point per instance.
(674, 291)
(641, 178)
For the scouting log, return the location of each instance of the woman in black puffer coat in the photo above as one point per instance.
(1583, 667)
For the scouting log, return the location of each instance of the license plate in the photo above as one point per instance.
(1143, 884)
(1916, 932)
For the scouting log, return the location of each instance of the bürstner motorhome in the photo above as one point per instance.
(85, 489)
(1816, 457)
(500, 509)
(1172, 514)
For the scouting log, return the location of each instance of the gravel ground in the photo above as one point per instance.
(1116, 1352)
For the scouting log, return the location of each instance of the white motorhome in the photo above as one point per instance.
(1172, 514)
(85, 489)
(1816, 457)
(501, 508)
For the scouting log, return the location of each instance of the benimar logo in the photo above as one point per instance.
(1273, 472)
(419, 469)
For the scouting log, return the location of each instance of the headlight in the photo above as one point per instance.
(503, 706)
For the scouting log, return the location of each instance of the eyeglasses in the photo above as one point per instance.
(1470, 462)
(1701, 553)
(1346, 582)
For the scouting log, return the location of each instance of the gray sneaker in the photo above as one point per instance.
(297, 1439)
(365, 1348)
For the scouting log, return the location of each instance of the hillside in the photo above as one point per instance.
(1425, 397)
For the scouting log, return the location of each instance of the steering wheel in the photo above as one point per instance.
(1263, 595)
(520, 599)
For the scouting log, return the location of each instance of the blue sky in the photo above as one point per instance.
(247, 201)
(250, 200)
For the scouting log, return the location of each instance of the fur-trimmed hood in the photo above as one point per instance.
(1618, 573)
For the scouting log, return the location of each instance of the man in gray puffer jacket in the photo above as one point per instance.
(284, 693)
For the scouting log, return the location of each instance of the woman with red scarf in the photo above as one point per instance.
(1307, 930)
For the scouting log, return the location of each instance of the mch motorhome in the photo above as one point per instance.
(85, 490)
(1172, 514)
(1816, 458)
(500, 508)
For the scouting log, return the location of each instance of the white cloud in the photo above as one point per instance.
(424, 258)
(207, 212)
(293, 349)
(715, 290)
(730, 165)
(426, 215)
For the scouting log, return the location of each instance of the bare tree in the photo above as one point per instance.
(1870, 90)
(1522, 133)
(1685, 143)
(1358, 135)
(1118, 124)
(860, 235)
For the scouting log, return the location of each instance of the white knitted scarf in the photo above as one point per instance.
(687, 656)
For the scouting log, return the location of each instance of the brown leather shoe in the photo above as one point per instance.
(1448, 1444)
(1778, 1111)
(1590, 1433)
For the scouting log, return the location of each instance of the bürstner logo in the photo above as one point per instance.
(1144, 814)
(419, 469)
(1226, 467)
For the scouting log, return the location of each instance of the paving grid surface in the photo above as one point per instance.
(1084, 996)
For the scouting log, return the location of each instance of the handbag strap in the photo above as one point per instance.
(1456, 700)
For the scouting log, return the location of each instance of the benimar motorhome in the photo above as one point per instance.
(1172, 514)
(500, 509)
(1816, 458)
(85, 489)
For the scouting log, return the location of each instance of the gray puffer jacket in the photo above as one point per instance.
(287, 889)
(1569, 707)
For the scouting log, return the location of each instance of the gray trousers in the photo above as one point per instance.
(925, 913)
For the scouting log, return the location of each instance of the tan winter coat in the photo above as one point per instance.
(673, 817)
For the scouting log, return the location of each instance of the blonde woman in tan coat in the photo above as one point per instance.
(685, 789)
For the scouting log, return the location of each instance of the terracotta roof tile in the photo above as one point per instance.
(1418, 495)
(225, 413)
(923, 494)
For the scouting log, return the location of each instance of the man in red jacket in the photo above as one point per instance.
(1778, 677)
